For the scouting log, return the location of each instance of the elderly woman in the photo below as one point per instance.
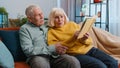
(65, 32)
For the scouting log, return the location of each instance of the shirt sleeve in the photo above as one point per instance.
(32, 47)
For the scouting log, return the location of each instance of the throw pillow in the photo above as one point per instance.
(6, 58)
(11, 40)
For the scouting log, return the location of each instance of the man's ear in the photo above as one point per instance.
(29, 18)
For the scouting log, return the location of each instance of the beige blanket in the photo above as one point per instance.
(106, 42)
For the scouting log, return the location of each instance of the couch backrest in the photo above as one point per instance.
(10, 37)
(11, 28)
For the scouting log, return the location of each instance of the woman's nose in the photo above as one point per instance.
(59, 18)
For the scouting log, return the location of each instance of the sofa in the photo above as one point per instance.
(10, 38)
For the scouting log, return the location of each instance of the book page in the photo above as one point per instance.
(86, 26)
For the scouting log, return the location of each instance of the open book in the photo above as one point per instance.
(86, 26)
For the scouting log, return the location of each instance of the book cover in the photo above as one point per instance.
(86, 26)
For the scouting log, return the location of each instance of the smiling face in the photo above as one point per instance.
(59, 19)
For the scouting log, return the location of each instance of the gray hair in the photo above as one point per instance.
(29, 10)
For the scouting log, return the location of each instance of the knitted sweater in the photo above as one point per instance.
(65, 34)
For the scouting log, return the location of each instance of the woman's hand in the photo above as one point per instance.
(85, 37)
(76, 34)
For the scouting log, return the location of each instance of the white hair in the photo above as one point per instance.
(53, 12)
(29, 10)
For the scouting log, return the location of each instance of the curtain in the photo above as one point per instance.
(71, 9)
(114, 15)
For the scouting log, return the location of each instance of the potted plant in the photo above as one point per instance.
(17, 22)
(3, 17)
(3, 11)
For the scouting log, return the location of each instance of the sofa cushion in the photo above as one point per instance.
(6, 58)
(11, 40)
(21, 65)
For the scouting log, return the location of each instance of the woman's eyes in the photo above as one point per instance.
(59, 17)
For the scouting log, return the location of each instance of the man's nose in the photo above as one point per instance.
(41, 16)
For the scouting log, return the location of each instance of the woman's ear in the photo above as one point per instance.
(65, 20)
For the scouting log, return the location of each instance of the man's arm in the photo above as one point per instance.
(34, 47)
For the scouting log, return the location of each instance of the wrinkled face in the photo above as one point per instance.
(37, 18)
(59, 19)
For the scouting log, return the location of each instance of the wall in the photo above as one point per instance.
(17, 7)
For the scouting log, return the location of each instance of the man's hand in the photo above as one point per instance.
(60, 49)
